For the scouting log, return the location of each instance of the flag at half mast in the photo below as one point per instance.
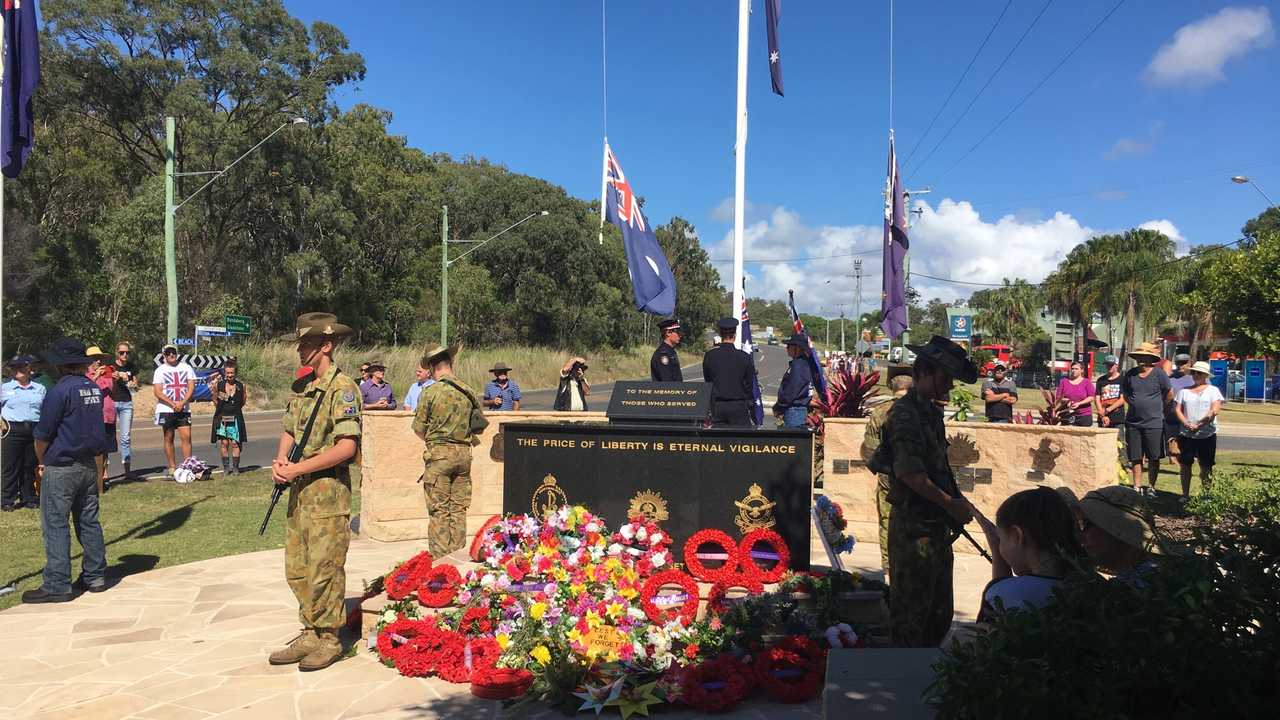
(21, 75)
(651, 277)
(772, 14)
(893, 296)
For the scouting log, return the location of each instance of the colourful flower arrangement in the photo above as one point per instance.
(832, 523)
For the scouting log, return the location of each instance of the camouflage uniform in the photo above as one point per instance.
(870, 442)
(444, 418)
(920, 539)
(317, 532)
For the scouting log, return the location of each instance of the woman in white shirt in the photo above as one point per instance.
(1197, 408)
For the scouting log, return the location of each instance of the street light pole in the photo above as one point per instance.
(1242, 180)
(445, 262)
(857, 271)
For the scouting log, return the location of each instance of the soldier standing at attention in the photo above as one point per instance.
(731, 375)
(793, 394)
(664, 366)
(899, 383)
(443, 421)
(926, 502)
(316, 533)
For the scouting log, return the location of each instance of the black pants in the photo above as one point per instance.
(19, 470)
(731, 413)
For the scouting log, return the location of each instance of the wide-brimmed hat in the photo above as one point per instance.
(1120, 512)
(501, 367)
(66, 351)
(20, 360)
(1146, 349)
(97, 353)
(433, 352)
(1202, 367)
(950, 356)
(318, 324)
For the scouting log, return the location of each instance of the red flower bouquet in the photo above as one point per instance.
(477, 551)
(711, 544)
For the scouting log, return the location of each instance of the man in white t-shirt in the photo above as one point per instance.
(174, 385)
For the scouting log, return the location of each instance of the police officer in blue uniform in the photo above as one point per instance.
(664, 366)
(732, 376)
(793, 394)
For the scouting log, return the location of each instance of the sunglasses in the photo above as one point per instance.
(122, 352)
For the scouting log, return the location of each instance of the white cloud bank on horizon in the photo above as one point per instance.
(949, 241)
(1199, 50)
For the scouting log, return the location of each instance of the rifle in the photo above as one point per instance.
(295, 455)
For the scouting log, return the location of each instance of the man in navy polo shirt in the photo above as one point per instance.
(70, 441)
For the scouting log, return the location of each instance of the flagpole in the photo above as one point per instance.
(740, 163)
(604, 185)
(604, 114)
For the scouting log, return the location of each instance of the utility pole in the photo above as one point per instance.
(841, 306)
(857, 302)
(170, 252)
(444, 276)
(906, 261)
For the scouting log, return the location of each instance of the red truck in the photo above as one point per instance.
(1001, 353)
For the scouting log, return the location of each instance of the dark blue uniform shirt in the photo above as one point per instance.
(794, 391)
(71, 422)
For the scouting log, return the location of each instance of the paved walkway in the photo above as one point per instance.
(190, 642)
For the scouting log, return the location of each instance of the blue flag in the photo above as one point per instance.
(651, 278)
(773, 13)
(21, 76)
(757, 405)
(819, 379)
(893, 296)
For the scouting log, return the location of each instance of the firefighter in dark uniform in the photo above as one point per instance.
(664, 366)
(731, 374)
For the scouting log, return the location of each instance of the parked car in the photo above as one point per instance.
(773, 340)
(1002, 353)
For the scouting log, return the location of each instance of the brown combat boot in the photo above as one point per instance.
(303, 645)
(327, 651)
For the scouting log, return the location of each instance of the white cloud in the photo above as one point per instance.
(1199, 50)
(1129, 147)
(949, 241)
(1170, 231)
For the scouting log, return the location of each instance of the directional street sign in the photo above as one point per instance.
(212, 331)
(237, 324)
(182, 341)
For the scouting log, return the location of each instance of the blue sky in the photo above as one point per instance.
(1144, 124)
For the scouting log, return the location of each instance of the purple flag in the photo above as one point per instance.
(21, 76)
(773, 13)
(893, 296)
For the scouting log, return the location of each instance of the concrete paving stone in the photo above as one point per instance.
(261, 668)
(170, 712)
(351, 672)
(71, 657)
(399, 692)
(141, 684)
(11, 696)
(179, 688)
(324, 704)
(277, 707)
(100, 625)
(46, 674)
(127, 672)
(63, 696)
(140, 635)
(235, 611)
(109, 707)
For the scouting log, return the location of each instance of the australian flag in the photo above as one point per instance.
(757, 405)
(773, 13)
(651, 278)
(819, 379)
(893, 296)
(21, 75)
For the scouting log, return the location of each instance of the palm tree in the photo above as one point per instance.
(1141, 277)
(1007, 313)
(1070, 289)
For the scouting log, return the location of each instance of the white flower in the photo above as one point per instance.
(627, 531)
(655, 538)
(659, 559)
(638, 647)
(636, 613)
(641, 534)
(487, 580)
(592, 526)
(389, 616)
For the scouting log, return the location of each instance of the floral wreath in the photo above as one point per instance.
(791, 671)
(396, 635)
(476, 621)
(642, 544)
(686, 611)
(495, 683)
(715, 685)
(461, 656)
(439, 586)
(478, 551)
(402, 581)
(778, 551)
(718, 604)
(693, 559)
(413, 646)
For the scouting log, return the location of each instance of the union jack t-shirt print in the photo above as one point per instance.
(172, 380)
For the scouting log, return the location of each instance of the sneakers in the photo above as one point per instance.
(301, 647)
(327, 651)
(40, 595)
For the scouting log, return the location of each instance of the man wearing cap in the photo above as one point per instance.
(1147, 392)
(70, 441)
(502, 393)
(20, 401)
(375, 392)
(899, 382)
(174, 384)
(1000, 393)
(317, 533)
(664, 366)
(927, 505)
(443, 422)
(732, 377)
(793, 393)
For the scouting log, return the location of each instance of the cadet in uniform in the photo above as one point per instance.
(926, 502)
(443, 421)
(899, 383)
(664, 366)
(316, 533)
(732, 376)
(793, 393)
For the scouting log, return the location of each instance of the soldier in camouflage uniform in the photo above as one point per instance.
(316, 532)
(926, 503)
(443, 421)
(899, 383)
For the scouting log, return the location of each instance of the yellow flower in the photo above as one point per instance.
(537, 610)
(593, 619)
(574, 635)
(615, 610)
(541, 654)
(577, 588)
(629, 593)
(503, 640)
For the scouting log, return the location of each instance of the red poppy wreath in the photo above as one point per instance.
(791, 671)
(439, 586)
(402, 581)
(717, 603)
(777, 551)
(711, 544)
(715, 685)
(686, 609)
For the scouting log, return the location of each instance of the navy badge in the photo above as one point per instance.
(348, 396)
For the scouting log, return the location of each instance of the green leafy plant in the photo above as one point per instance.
(963, 400)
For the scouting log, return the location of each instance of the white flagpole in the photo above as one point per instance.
(604, 186)
(740, 160)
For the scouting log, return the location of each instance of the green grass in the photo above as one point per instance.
(1228, 461)
(1237, 413)
(156, 524)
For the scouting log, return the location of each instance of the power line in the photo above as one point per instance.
(996, 72)
(1038, 85)
(803, 258)
(960, 80)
